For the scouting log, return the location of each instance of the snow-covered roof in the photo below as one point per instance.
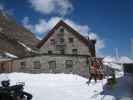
(5, 56)
(25, 46)
(4, 59)
(10, 55)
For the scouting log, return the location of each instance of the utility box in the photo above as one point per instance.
(128, 74)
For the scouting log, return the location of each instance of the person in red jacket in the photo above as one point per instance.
(93, 71)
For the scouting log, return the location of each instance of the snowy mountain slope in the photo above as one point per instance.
(122, 59)
(11, 32)
(116, 63)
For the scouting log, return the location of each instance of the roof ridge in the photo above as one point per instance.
(61, 22)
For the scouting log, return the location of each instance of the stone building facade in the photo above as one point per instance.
(62, 50)
(51, 64)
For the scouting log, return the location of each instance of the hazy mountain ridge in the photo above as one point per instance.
(11, 33)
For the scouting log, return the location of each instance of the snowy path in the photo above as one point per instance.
(59, 86)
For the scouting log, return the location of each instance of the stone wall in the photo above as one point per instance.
(5, 66)
(80, 64)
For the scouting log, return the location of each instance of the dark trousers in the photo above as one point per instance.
(93, 76)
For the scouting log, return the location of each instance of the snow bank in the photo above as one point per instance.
(57, 86)
(60, 86)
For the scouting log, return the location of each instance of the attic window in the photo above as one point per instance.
(70, 40)
(52, 41)
(62, 30)
(62, 40)
(62, 51)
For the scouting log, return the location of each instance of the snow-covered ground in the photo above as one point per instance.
(66, 87)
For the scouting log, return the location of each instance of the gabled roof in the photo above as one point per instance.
(62, 23)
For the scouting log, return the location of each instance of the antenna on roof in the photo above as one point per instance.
(116, 54)
(62, 16)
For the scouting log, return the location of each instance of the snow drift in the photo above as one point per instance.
(56, 86)
(64, 87)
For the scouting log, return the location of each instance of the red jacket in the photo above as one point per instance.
(94, 65)
(93, 68)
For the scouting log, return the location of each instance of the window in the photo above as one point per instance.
(71, 40)
(62, 40)
(52, 66)
(23, 65)
(50, 52)
(60, 47)
(62, 51)
(37, 64)
(52, 41)
(2, 67)
(69, 65)
(62, 30)
(60, 34)
(74, 51)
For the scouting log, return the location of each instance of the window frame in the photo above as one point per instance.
(62, 40)
(23, 65)
(50, 52)
(62, 30)
(69, 64)
(62, 51)
(52, 41)
(75, 51)
(71, 39)
(52, 68)
(36, 64)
